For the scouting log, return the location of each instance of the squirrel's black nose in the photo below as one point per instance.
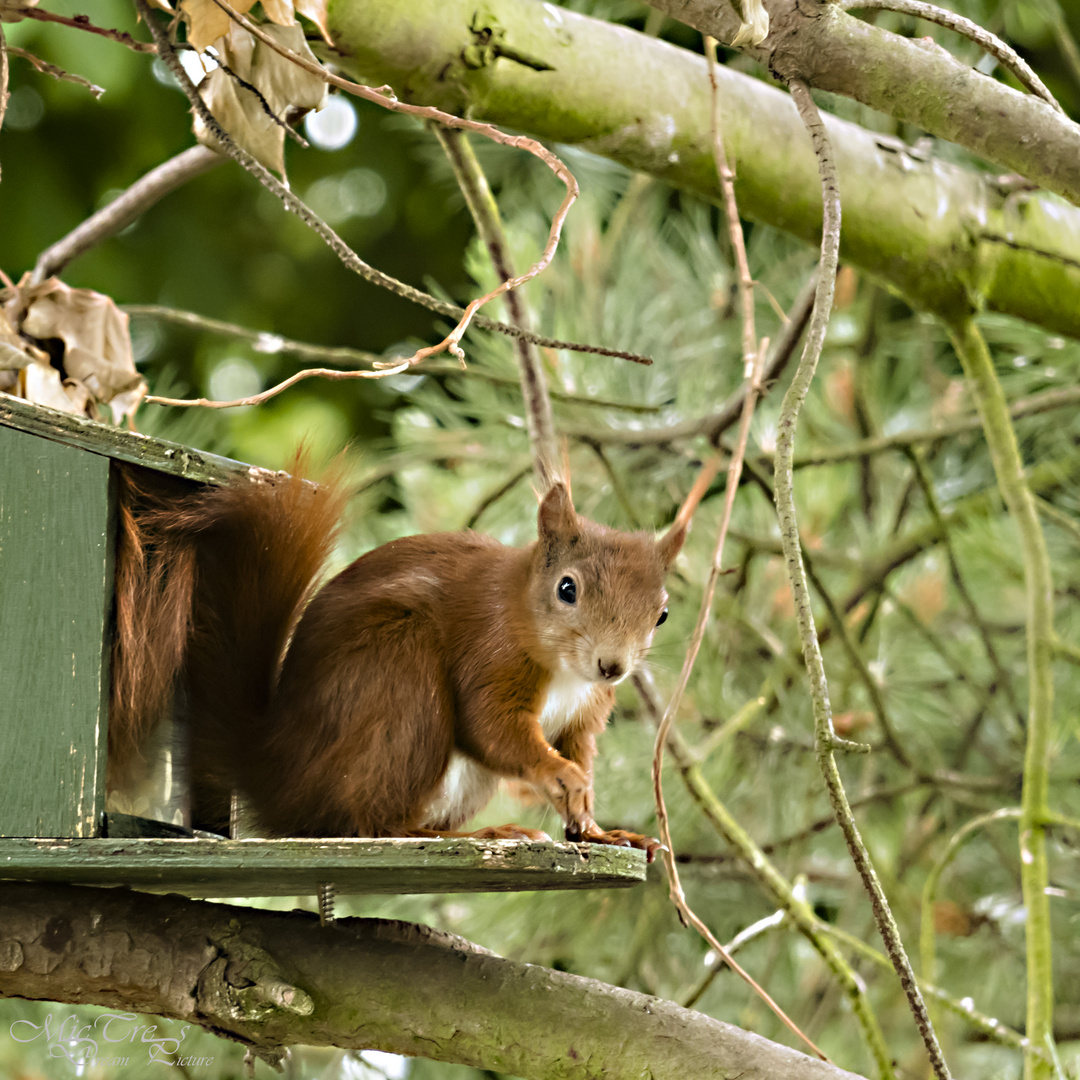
(610, 669)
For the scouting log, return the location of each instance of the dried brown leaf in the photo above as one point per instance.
(284, 86)
(315, 10)
(207, 22)
(279, 11)
(42, 384)
(97, 361)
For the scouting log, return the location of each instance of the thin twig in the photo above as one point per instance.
(266, 341)
(1058, 518)
(825, 737)
(451, 343)
(997, 48)
(251, 88)
(1047, 401)
(820, 825)
(81, 22)
(714, 425)
(873, 691)
(292, 203)
(739, 941)
(752, 383)
(1004, 679)
(336, 244)
(262, 341)
(771, 881)
(494, 496)
(987, 1025)
(927, 934)
(55, 72)
(474, 186)
(1045, 477)
(738, 241)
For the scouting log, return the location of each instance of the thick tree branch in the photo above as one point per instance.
(818, 42)
(273, 979)
(937, 232)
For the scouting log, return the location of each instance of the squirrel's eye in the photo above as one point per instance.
(663, 617)
(567, 591)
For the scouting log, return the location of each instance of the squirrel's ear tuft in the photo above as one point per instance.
(557, 519)
(670, 544)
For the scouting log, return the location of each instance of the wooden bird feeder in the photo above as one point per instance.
(57, 527)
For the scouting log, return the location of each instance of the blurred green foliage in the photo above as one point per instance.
(640, 267)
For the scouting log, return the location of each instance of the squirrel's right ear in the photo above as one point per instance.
(557, 518)
(670, 544)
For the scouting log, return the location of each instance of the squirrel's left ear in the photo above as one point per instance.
(557, 519)
(670, 544)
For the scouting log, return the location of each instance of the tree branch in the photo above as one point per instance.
(271, 979)
(817, 41)
(594, 100)
(1034, 868)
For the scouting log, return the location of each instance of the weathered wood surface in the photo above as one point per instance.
(55, 591)
(168, 457)
(202, 868)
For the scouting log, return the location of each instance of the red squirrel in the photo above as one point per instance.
(393, 701)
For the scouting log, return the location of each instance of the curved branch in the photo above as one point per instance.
(825, 739)
(997, 48)
(925, 226)
(249, 975)
(817, 41)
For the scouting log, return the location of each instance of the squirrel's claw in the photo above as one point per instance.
(622, 838)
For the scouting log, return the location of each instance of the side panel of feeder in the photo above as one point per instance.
(56, 574)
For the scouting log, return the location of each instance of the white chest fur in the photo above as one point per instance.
(468, 786)
(567, 695)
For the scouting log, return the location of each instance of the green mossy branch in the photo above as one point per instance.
(990, 401)
(936, 232)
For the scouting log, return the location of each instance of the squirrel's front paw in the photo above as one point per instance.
(569, 791)
(621, 838)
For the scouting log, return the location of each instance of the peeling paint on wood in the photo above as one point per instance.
(111, 442)
(229, 868)
(55, 592)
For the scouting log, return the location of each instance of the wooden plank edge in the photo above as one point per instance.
(224, 868)
(113, 442)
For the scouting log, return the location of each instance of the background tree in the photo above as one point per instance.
(917, 571)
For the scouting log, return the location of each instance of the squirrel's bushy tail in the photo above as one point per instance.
(209, 588)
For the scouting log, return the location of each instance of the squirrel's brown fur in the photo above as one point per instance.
(413, 680)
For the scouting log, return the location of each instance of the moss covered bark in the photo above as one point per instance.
(273, 979)
(941, 235)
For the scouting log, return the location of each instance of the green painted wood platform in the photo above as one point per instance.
(231, 868)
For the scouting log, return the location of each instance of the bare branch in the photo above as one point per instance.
(387, 100)
(752, 390)
(997, 48)
(56, 72)
(825, 737)
(81, 22)
(485, 213)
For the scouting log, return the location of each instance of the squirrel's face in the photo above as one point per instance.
(598, 594)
